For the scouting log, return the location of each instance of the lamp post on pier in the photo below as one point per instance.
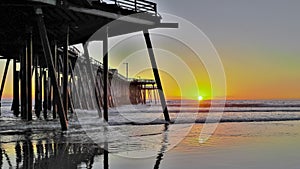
(126, 64)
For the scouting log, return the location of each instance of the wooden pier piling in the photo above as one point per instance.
(15, 104)
(105, 75)
(3, 81)
(23, 82)
(37, 105)
(55, 109)
(40, 79)
(156, 75)
(66, 73)
(50, 64)
(45, 103)
(29, 76)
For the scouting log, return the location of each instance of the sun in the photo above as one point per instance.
(200, 98)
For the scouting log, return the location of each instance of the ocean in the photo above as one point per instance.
(230, 135)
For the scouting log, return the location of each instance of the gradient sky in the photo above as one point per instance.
(258, 43)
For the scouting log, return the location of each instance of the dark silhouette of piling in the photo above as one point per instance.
(66, 72)
(156, 75)
(3, 80)
(15, 104)
(105, 74)
(28, 115)
(50, 64)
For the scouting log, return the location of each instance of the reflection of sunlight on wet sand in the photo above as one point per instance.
(192, 140)
(240, 134)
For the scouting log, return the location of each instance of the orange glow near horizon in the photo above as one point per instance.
(247, 77)
(254, 86)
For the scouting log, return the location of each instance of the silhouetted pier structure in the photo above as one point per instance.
(36, 36)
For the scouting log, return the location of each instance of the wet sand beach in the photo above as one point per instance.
(234, 146)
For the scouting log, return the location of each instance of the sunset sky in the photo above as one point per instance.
(257, 41)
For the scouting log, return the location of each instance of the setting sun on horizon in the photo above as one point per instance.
(200, 98)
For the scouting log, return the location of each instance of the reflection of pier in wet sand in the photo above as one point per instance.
(51, 153)
(59, 152)
(37, 36)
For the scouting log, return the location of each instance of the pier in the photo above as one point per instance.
(37, 38)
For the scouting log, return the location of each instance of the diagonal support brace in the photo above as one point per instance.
(156, 75)
(50, 64)
(3, 80)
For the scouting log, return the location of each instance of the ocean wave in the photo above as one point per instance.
(90, 121)
(152, 115)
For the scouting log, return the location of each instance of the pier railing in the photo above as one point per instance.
(137, 5)
(99, 64)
